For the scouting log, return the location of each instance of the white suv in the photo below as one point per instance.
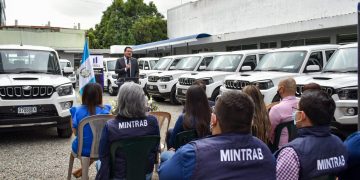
(280, 64)
(339, 79)
(224, 64)
(163, 64)
(163, 85)
(147, 63)
(33, 91)
(110, 77)
(69, 73)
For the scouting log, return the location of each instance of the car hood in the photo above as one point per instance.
(170, 73)
(147, 72)
(260, 75)
(199, 75)
(335, 80)
(32, 79)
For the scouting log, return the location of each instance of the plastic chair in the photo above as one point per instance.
(184, 137)
(291, 132)
(162, 117)
(136, 152)
(97, 123)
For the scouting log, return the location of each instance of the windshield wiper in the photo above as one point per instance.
(35, 72)
(331, 71)
(351, 71)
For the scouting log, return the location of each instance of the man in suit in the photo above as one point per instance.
(127, 67)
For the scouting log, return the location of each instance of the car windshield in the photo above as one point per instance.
(289, 61)
(228, 63)
(28, 61)
(162, 64)
(153, 62)
(64, 64)
(188, 63)
(343, 60)
(111, 65)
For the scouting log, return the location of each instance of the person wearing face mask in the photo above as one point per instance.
(315, 152)
(282, 112)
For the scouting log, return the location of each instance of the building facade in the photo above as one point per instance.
(252, 24)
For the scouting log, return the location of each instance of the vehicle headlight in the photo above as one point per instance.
(264, 84)
(348, 93)
(142, 76)
(64, 90)
(166, 78)
(207, 80)
(114, 76)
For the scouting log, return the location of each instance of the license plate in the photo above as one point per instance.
(184, 91)
(151, 87)
(27, 110)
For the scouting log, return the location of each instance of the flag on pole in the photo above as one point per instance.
(86, 73)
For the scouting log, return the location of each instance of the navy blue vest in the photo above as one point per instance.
(233, 156)
(320, 153)
(121, 128)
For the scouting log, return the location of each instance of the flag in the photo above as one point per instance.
(86, 71)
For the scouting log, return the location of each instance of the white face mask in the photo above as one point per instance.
(293, 117)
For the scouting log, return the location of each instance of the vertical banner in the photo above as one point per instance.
(358, 39)
(98, 65)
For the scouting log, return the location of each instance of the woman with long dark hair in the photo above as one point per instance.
(196, 115)
(260, 124)
(91, 105)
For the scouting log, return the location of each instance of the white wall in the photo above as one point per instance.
(227, 16)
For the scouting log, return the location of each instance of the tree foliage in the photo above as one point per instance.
(130, 22)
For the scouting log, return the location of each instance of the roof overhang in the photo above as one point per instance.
(170, 42)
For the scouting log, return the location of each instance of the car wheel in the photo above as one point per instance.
(158, 99)
(65, 132)
(334, 130)
(173, 99)
(215, 94)
(111, 90)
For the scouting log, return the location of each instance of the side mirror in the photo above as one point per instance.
(202, 68)
(146, 68)
(172, 68)
(246, 68)
(68, 69)
(312, 68)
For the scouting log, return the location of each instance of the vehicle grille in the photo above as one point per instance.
(153, 78)
(186, 81)
(235, 84)
(328, 90)
(26, 92)
(10, 112)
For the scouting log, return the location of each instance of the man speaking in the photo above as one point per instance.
(127, 67)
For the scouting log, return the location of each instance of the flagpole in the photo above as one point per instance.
(358, 39)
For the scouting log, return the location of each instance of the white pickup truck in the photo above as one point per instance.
(339, 79)
(280, 64)
(162, 85)
(33, 91)
(224, 64)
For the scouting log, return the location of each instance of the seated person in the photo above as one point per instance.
(131, 108)
(231, 153)
(202, 84)
(91, 105)
(282, 112)
(316, 152)
(352, 144)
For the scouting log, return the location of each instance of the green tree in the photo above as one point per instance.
(130, 22)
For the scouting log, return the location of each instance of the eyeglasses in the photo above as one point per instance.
(295, 109)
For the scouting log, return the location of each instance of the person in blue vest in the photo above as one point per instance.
(230, 153)
(132, 121)
(315, 152)
(91, 105)
(352, 144)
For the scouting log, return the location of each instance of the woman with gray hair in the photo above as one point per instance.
(131, 121)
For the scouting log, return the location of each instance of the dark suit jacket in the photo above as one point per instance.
(120, 68)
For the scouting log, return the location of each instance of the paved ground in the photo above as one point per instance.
(40, 154)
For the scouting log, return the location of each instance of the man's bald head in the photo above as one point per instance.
(289, 87)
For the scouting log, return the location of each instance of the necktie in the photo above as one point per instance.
(128, 70)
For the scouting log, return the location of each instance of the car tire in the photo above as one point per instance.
(334, 130)
(65, 132)
(158, 99)
(173, 99)
(111, 90)
(215, 94)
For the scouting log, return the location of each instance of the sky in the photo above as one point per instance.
(67, 13)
